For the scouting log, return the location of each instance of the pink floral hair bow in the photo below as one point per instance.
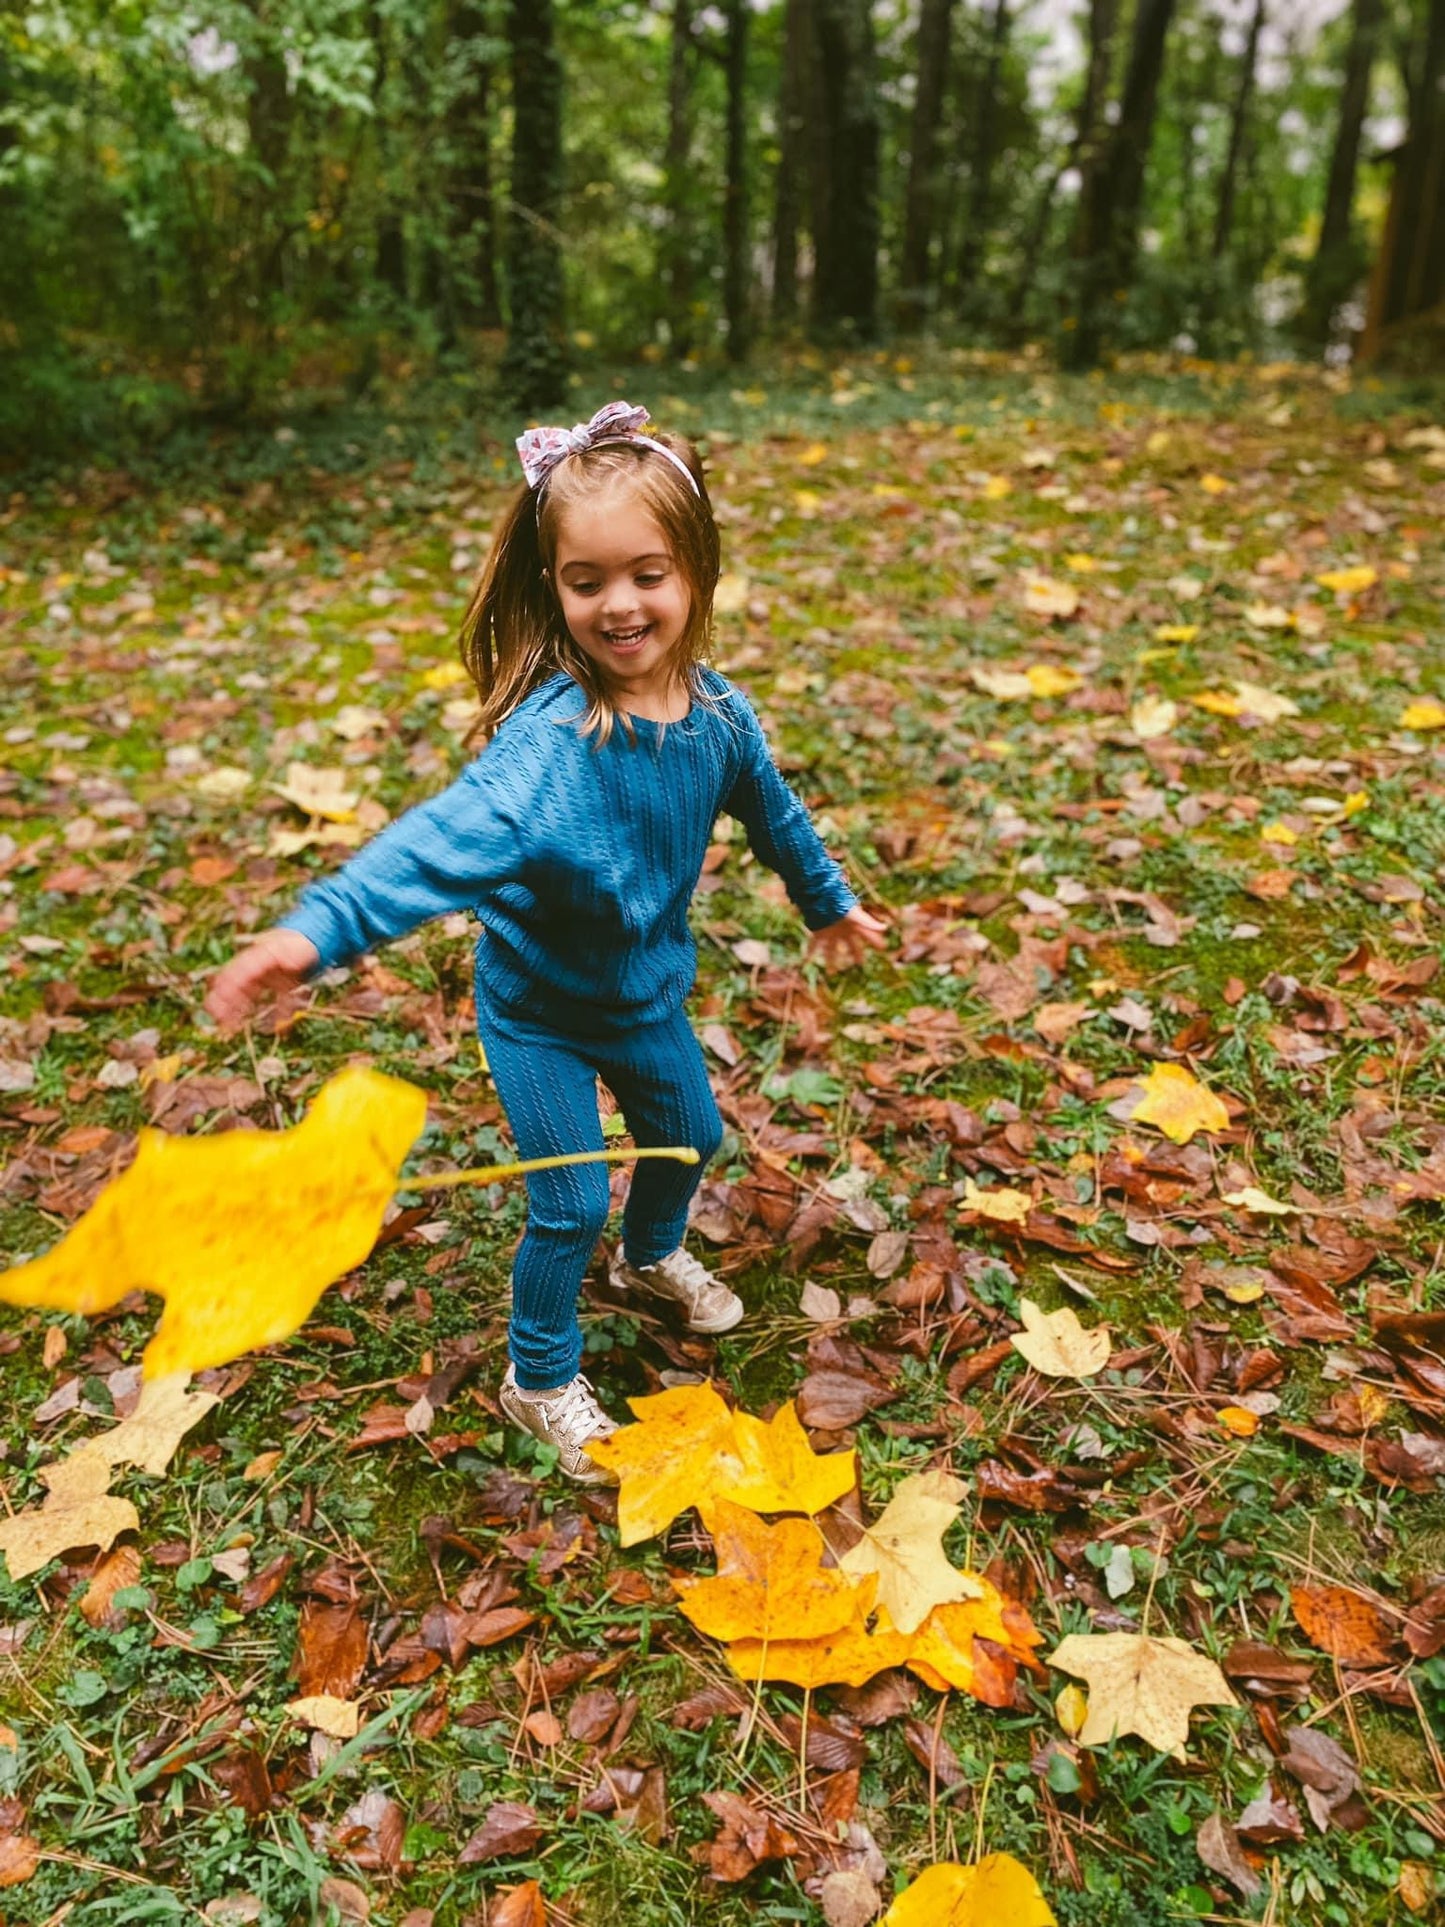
(541, 449)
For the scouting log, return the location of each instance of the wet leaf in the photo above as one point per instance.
(1175, 1101)
(770, 1583)
(1344, 1623)
(998, 1890)
(904, 1550)
(1140, 1683)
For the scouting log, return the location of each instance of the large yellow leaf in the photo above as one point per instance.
(905, 1550)
(780, 1470)
(688, 1447)
(771, 1582)
(682, 1450)
(240, 1233)
(998, 1892)
(1353, 581)
(1175, 1100)
(1426, 712)
(1140, 1684)
(1056, 1344)
(849, 1657)
(943, 1652)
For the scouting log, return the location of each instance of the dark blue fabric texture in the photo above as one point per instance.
(548, 1087)
(580, 861)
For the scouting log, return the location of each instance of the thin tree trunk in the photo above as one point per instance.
(736, 304)
(980, 183)
(534, 367)
(390, 256)
(1238, 123)
(846, 239)
(1338, 257)
(1417, 281)
(792, 159)
(473, 211)
(268, 128)
(677, 272)
(1111, 199)
(1103, 18)
(920, 211)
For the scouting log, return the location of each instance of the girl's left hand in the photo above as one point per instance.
(849, 940)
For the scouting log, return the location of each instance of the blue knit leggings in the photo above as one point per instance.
(548, 1085)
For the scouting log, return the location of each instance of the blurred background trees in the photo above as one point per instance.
(207, 202)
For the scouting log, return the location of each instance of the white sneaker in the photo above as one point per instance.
(567, 1418)
(708, 1305)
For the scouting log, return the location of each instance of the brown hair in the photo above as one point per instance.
(513, 635)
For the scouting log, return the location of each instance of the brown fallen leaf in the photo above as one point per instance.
(113, 1572)
(1345, 1624)
(1217, 1845)
(510, 1830)
(330, 1650)
(748, 1837)
(19, 1858)
(1270, 1820)
(518, 1907)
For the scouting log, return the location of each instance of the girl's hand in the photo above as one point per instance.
(849, 940)
(275, 963)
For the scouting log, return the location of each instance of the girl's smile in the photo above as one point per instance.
(625, 602)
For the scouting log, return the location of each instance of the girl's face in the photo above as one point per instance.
(624, 599)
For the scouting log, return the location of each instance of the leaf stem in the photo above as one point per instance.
(489, 1173)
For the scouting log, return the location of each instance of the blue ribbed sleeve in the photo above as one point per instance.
(780, 831)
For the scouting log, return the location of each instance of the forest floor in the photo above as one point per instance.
(1120, 698)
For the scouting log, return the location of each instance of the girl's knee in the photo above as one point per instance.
(706, 1134)
(576, 1209)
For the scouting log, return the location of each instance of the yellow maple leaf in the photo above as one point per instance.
(1215, 485)
(780, 1471)
(849, 1657)
(771, 1582)
(1218, 702)
(444, 675)
(688, 1448)
(1003, 1204)
(943, 1652)
(1140, 1684)
(1004, 685)
(1081, 564)
(997, 488)
(997, 1892)
(1278, 833)
(1426, 712)
(1349, 582)
(1176, 632)
(1056, 1344)
(241, 1232)
(1175, 1100)
(1238, 1420)
(904, 1550)
(814, 453)
(164, 1413)
(1046, 679)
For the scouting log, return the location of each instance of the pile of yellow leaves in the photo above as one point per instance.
(893, 1599)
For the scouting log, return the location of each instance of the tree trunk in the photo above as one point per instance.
(1103, 18)
(845, 289)
(390, 256)
(980, 181)
(1338, 259)
(677, 250)
(1409, 279)
(268, 128)
(477, 297)
(792, 158)
(1111, 198)
(920, 212)
(1238, 123)
(534, 368)
(736, 306)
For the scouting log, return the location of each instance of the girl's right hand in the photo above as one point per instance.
(275, 963)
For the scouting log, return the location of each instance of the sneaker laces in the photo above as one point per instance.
(576, 1412)
(688, 1271)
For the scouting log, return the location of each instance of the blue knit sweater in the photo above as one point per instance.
(580, 862)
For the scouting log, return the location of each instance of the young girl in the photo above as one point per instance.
(577, 838)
